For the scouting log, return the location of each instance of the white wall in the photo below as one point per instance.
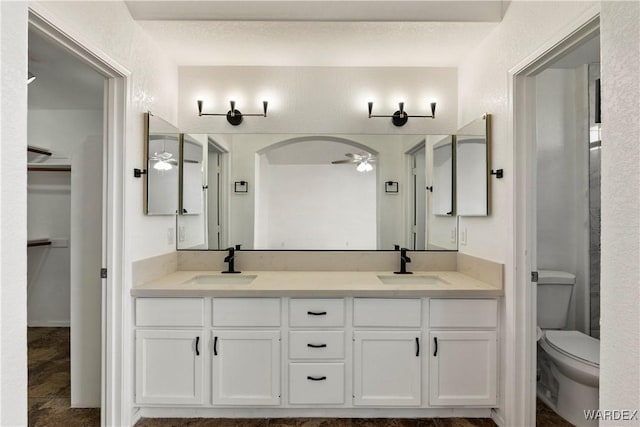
(318, 99)
(13, 214)
(620, 292)
(49, 267)
(483, 88)
(563, 181)
(316, 207)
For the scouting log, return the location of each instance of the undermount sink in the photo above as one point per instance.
(223, 279)
(411, 279)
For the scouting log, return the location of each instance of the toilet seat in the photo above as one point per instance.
(576, 345)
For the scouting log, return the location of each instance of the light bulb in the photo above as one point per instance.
(368, 167)
(162, 166)
(361, 167)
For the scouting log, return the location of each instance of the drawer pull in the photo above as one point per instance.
(435, 343)
(316, 378)
(417, 347)
(197, 346)
(317, 313)
(215, 346)
(316, 345)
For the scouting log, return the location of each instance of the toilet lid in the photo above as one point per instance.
(576, 344)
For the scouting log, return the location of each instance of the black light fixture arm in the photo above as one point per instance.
(400, 117)
(234, 116)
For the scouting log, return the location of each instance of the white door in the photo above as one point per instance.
(169, 366)
(246, 368)
(386, 368)
(463, 368)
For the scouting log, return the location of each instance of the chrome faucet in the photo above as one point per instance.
(231, 260)
(404, 259)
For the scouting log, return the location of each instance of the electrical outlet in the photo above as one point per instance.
(170, 235)
(454, 235)
(181, 233)
(463, 236)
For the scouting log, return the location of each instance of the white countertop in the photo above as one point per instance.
(316, 284)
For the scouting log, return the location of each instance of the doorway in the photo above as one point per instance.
(64, 205)
(111, 206)
(529, 86)
(418, 161)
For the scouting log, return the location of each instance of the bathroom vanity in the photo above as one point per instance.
(323, 343)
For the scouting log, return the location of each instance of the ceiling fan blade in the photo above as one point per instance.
(351, 155)
(339, 162)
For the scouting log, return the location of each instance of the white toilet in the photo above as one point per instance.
(568, 361)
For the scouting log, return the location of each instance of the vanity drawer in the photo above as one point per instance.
(401, 313)
(246, 312)
(463, 313)
(316, 345)
(316, 383)
(312, 313)
(179, 312)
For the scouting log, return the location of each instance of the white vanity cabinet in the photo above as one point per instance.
(170, 351)
(343, 356)
(245, 359)
(387, 363)
(316, 350)
(463, 352)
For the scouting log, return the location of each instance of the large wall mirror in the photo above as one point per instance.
(317, 192)
(162, 153)
(473, 147)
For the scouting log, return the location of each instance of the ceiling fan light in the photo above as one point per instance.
(368, 167)
(362, 167)
(162, 165)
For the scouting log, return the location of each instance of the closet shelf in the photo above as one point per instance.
(38, 242)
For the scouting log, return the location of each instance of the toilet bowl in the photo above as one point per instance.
(569, 361)
(575, 365)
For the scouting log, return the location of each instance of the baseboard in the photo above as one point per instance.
(49, 324)
(496, 416)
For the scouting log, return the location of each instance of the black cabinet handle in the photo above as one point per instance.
(316, 345)
(435, 342)
(215, 346)
(317, 313)
(417, 347)
(316, 378)
(197, 344)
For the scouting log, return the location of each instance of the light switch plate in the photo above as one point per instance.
(463, 236)
(170, 234)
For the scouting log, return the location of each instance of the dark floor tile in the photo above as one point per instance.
(426, 422)
(56, 412)
(310, 422)
(385, 422)
(50, 379)
(202, 422)
(465, 422)
(545, 417)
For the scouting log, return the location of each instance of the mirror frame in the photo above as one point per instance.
(488, 142)
(147, 135)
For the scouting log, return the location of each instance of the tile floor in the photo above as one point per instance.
(50, 397)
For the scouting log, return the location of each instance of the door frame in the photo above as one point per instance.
(520, 300)
(113, 398)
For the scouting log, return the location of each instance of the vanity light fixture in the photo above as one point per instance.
(234, 116)
(400, 117)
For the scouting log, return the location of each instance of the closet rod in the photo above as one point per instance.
(38, 242)
(49, 169)
(38, 150)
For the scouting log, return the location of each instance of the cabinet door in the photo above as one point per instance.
(387, 368)
(169, 366)
(246, 368)
(463, 368)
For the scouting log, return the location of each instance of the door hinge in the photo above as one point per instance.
(534, 276)
(103, 273)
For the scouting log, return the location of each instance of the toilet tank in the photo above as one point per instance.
(554, 296)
